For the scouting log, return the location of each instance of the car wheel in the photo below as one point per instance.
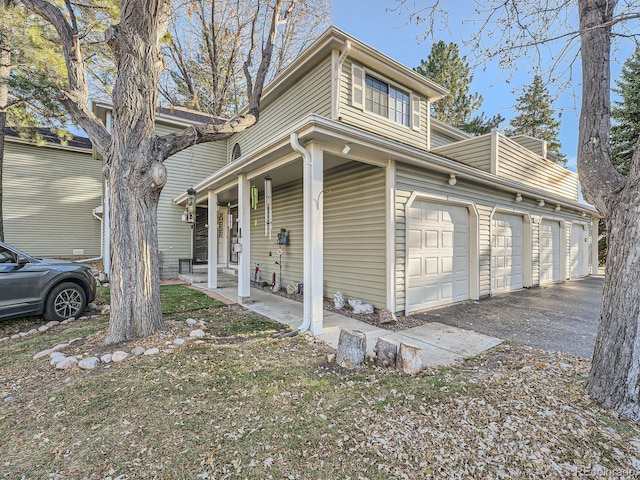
(64, 301)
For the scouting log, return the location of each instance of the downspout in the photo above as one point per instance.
(337, 84)
(97, 217)
(295, 144)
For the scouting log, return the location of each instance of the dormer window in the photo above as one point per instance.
(376, 95)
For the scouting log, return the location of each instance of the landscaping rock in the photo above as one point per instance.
(43, 353)
(152, 351)
(14, 336)
(66, 363)
(52, 323)
(137, 351)
(119, 356)
(387, 316)
(191, 322)
(4, 339)
(74, 340)
(89, 363)
(43, 328)
(178, 341)
(197, 334)
(56, 358)
(92, 307)
(106, 358)
(33, 331)
(23, 334)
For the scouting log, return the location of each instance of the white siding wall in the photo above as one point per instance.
(354, 233)
(183, 170)
(410, 179)
(377, 124)
(49, 194)
(311, 94)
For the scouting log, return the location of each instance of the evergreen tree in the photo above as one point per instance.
(626, 114)
(536, 117)
(445, 67)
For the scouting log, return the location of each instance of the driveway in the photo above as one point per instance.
(561, 317)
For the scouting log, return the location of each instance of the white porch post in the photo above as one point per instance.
(313, 241)
(212, 240)
(595, 260)
(244, 238)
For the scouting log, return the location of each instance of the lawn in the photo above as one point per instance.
(240, 403)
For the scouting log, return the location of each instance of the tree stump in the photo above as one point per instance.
(409, 359)
(386, 352)
(352, 346)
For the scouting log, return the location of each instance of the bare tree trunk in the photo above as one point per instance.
(135, 310)
(614, 380)
(3, 124)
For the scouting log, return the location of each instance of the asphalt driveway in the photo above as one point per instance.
(561, 317)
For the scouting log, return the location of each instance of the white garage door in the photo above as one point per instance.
(438, 255)
(506, 252)
(549, 251)
(577, 250)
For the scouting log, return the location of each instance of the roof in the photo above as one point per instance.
(34, 134)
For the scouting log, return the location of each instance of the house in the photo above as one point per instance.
(346, 184)
(52, 195)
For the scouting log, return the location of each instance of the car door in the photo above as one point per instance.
(20, 285)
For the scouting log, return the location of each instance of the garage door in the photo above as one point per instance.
(549, 251)
(577, 250)
(438, 255)
(506, 252)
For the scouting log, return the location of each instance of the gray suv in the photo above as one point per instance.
(59, 289)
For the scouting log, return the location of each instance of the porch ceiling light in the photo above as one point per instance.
(583, 214)
(558, 208)
(541, 203)
(346, 149)
(518, 197)
(452, 179)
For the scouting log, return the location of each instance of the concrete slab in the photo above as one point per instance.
(440, 344)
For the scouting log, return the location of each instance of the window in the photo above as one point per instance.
(384, 99)
(236, 153)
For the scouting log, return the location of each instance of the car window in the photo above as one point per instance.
(7, 256)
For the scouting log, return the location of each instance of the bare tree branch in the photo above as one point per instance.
(76, 98)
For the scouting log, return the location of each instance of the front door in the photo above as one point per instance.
(201, 236)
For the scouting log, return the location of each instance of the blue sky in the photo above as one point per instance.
(374, 23)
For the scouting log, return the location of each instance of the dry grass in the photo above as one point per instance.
(241, 404)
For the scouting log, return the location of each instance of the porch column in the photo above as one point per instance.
(595, 259)
(313, 242)
(212, 240)
(244, 239)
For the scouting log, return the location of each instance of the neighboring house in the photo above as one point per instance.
(381, 202)
(178, 241)
(52, 195)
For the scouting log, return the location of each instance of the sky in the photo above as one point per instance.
(375, 23)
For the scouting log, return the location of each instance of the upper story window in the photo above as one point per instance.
(236, 153)
(383, 98)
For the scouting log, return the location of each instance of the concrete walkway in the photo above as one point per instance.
(441, 344)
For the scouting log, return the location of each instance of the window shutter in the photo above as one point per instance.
(415, 112)
(357, 86)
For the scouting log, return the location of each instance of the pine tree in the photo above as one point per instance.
(626, 114)
(445, 67)
(536, 117)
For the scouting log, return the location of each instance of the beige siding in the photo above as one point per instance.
(286, 213)
(440, 138)
(475, 152)
(517, 163)
(375, 123)
(49, 194)
(411, 179)
(184, 169)
(354, 233)
(311, 94)
(536, 145)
